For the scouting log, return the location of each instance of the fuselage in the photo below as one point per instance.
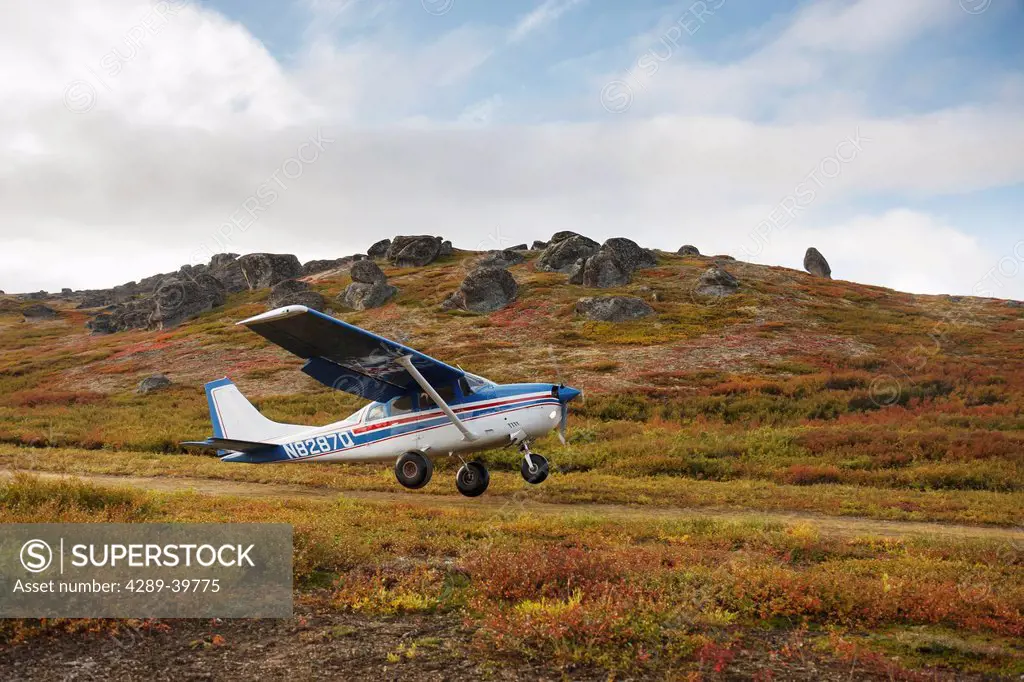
(496, 414)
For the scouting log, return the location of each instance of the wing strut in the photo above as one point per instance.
(406, 362)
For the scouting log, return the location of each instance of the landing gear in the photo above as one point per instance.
(472, 479)
(413, 470)
(534, 468)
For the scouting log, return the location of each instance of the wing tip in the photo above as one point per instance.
(275, 314)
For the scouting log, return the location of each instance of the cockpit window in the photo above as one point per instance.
(476, 383)
(447, 394)
(375, 412)
(401, 405)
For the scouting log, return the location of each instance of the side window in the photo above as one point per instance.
(447, 394)
(374, 413)
(401, 405)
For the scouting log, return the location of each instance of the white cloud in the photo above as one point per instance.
(824, 56)
(865, 26)
(482, 112)
(166, 64)
(543, 15)
(202, 115)
(902, 249)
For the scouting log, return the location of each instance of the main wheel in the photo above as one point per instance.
(472, 479)
(538, 472)
(413, 470)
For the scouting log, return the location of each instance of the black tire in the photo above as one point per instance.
(472, 479)
(413, 470)
(539, 471)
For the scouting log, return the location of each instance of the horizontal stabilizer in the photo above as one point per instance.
(229, 444)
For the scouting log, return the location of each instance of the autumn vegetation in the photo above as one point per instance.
(795, 395)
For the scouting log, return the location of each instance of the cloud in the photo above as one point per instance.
(201, 116)
(482, 112)
(902, 249)
(543, 15)
(164, 64)
(828, 55)
(864, 26)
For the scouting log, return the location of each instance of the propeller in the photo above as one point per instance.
(565, 395)
(563, 423)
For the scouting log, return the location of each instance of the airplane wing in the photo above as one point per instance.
(345, 357)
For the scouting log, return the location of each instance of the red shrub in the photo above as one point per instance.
(547, 572)
(810, 474)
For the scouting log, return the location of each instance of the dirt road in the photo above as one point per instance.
(842, 526)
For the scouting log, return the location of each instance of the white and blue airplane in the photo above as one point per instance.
(422, 408)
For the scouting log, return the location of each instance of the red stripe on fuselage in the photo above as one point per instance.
(433, 414)
(410, 433)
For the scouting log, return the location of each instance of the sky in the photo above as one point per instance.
(140, 135)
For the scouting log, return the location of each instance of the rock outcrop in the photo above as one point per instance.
(816, 264)
(500, 259)
(484, 290)
(262, 270)
(688, 250)
(603, 270)
(630, 254)
(613, 308)
(295, 292)
(716, 281)
(538, 245)
(178, 300)
(575, 272)
(361, 296)
(561, 255)
(446, 249)
(39, 311)
(569, 234)
(228, 271)
(157, 382)
(315, 267)
(95, 299)
(369, 287)
(379, 249)
(123, 316)
(367, 272)
(415, 251)
(612, 266)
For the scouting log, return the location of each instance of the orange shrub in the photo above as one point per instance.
(810, 474)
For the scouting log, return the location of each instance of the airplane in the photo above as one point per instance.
(421, 408)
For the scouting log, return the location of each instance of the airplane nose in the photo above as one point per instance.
(566, 393)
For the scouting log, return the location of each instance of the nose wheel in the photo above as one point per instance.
(472, 479)
(534, 468)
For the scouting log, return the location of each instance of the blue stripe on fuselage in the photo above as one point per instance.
(277, 453)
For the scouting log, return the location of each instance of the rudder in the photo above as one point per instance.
(234, 417)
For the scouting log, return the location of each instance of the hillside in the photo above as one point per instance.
(793, 379)
(699, 519)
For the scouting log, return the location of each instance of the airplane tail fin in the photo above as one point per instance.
(235, 418)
